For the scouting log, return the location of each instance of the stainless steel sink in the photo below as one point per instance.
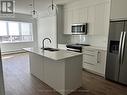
(50, 49)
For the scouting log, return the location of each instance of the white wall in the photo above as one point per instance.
(8, 47)
(47, 29)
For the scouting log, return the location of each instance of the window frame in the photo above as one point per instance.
(20, 33)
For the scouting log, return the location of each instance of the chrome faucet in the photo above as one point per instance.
(43, 42)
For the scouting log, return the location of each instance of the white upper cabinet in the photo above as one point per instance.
(67, 21)
(96, 15)
(82, 15)
(98, 19)
(74, 16)
(79, 15)
(91, 20)
(99, 23)
(118, 9)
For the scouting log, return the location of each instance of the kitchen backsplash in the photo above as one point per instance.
(83, 39)
(100, 41)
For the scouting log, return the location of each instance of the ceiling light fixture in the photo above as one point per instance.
(52, 9)
(34, 11)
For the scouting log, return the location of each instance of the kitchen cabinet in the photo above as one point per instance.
(79, 15)
(100, 23)
(101, 62)
(91, 20)
(74, 16)
(99, 19)
(118, 9)
(97, 16)
(94, 60)
(67, 21)
(90, 60)
(82, 15)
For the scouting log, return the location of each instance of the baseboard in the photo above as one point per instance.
(93, 72)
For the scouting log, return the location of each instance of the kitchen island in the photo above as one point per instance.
(61, 70)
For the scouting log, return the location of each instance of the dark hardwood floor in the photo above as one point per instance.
(19, 81)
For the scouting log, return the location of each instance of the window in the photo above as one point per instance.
(3, 28)
(13, 28)
(11, 31)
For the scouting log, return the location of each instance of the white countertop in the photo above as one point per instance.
(55, 55)
(63, 46)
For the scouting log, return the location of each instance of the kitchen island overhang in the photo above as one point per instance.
(61, 70)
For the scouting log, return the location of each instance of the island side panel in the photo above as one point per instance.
(73, 73)
(54, 72)
(36, 65)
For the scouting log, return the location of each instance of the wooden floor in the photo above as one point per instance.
(19, 81)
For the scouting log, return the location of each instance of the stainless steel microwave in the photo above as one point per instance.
(79, 29)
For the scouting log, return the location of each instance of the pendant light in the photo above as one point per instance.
(52, 9)
(34, 11)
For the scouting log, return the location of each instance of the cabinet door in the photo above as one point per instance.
(118, 9)
(101, 62)
(91, 20)
(83, 15)
(67, 21)
(75, 16)
(79, 15)
(99, 19)
(90, 59)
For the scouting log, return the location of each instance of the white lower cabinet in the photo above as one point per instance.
(94, 60)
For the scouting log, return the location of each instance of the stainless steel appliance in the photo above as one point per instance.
(79, 29)
(76, 47)
(116, 68)
(1, 77)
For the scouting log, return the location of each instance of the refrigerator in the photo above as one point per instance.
(2, 91)
(116, 67)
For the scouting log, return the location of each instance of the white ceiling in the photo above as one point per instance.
(22, 6)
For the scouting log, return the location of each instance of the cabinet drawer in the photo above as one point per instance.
(90, 56)
(90, 52)
(89, 66)
(90, 59)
